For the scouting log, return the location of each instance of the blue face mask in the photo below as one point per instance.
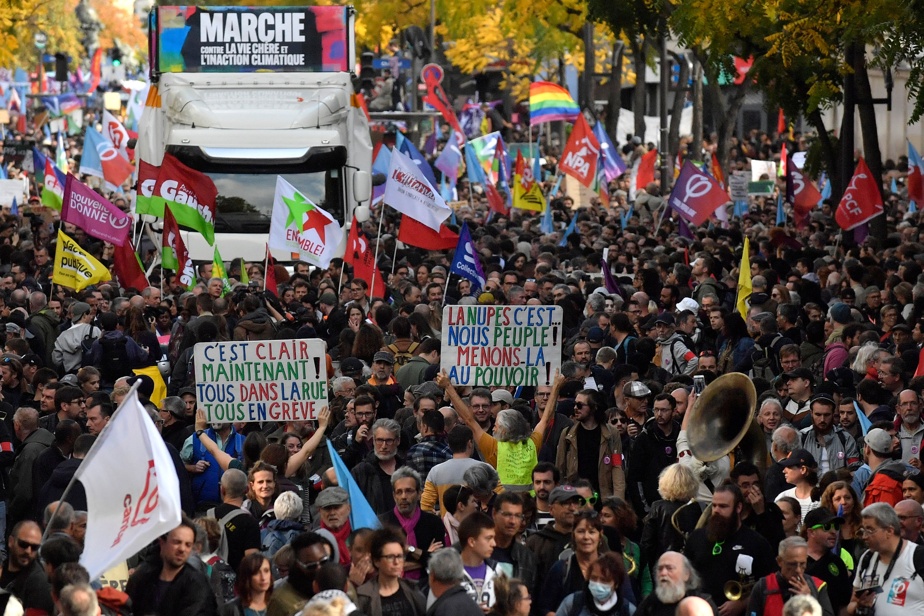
(601, 592)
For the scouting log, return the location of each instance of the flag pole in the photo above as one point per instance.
(661, 219)
(266, 265)
(446, 290)
(133, 389)
(394, 258)
(375, 259)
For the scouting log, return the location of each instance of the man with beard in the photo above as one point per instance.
(833, 448)
(911, 430)
(425, 531)
(772, 591)
(591, 449)
(675, 581)
(725, 550)
(373, 474)
(358, 444)
(311, 551)
(654, 450)
(821, 526)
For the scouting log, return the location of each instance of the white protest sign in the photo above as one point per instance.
(738, 186)
(760, 168)
(13, 189)
(486, 346)
(261, 380)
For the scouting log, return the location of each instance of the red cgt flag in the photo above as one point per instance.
(582, 152)
(862, 200)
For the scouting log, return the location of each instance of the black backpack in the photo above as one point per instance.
(115, 362)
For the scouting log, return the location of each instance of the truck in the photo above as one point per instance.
(244, 94)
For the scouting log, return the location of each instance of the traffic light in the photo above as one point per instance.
(115, 54)
(416, 39)
(367, 73)
(60, 67)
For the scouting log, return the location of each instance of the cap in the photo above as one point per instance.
(501, 395)
(665, 317)
(351, 365)
(332, 497)
(758, 299)
(78, 309)
(635, 389)
(799, 457)
(69, 379)
(688, 303)
(840, 313)
(901, 327)
(595, 335)
(328, 298)
(821, 515)
(12, 328)
(800, 373)
(879, 441)
(31, 359)
(427, 388)
(384, 356)
(562, 494)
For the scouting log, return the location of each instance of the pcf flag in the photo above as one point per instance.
(802, 194)
(862, 200)
(128, 268)
(133, 494)
(915, 175)
(93, 213)
(75, 268)
(189, 194)
(696, 195)
(102, 160)
(579, 160)
(300, 226)
(408, 191)
(465, 262)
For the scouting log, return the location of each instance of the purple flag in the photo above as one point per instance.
(613, 165)
(93, 213)
(430, 144)
(683, 230)
(450, 159)
(611, 285)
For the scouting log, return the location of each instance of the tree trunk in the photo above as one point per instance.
(639, 47)
(697, 106)
(828, 147)
(724, 112)
(873, 156)
(680, 96)
(614, 103)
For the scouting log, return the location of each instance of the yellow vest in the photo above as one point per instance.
(515, 464)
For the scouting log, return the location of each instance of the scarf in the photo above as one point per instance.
(341, 537)
(407, 525)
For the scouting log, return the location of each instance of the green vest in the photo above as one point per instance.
(515, 464)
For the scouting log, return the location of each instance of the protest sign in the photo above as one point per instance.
(261, 380)
(738, 186)
(487, 346)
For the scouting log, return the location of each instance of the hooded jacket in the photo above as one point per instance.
(256, 325)
(68, 349)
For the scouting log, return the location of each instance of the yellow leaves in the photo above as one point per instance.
(21, 19)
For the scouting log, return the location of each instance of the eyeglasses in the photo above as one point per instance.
(25, 545)
(617, 420)
(825, 527)
(580, 405)
(395, 558)
(866, 532)
(363, 415)
(317, 564)
(385, 441)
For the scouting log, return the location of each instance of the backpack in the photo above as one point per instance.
(222, 551)
(766, 363)
(87, 343)
(115, 362)
(402, 357)
(917, 559)
(222, 578)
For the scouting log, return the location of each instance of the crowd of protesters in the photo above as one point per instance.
(614, 514)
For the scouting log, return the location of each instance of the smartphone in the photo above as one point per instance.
(699, 384)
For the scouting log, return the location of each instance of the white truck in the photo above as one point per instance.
(249, 93)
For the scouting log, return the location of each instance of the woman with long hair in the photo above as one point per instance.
(142, 332)
(619, 517)
(511, 597)
(840, 498)
(677, 485)
(780, 294)
(801, 472)
(736, 348)
(602, 593)
(420, 327)
(254, 587)
(792, 515)
(389, 592)
(369, 341)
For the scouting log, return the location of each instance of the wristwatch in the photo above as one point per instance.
(412, 551)
(199, 432)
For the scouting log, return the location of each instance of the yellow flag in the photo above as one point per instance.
(218, 271)
(75, 268)
(527, 198)
(744, 280)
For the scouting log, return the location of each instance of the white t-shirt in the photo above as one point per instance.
(806, 504)
(901, 595)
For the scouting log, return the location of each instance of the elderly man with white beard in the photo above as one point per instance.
(675, 580)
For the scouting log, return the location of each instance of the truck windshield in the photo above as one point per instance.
(245, 200)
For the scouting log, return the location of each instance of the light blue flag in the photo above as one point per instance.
(361, 513)
(61, 153)
(571, 226)
(741, 208)
(865, 423)
(912, 208)
(382, 161)
(546, 225)
(894, 187)
(465, 262)
(405, 146)
(624, 218)
(446, 191)
(473, 166)
(825, 190)
(555, 188)
(780, 214)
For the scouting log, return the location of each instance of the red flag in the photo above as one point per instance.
(269, 276)
(582, 152)
(780, 123)
(96, 69)
(420, 235)
(21, 126)
(862, 200)
(361, 256)
(646, 169)
(127, 267)
(802, 194)
(783, 161)
(915, 175)
(696, 195)
(495, 200)
(717, 171)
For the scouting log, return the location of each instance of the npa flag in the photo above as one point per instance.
(465, 262)
(646, 169)
(189, 194)
(174, 255)
(300, 226)
(74, 267)
(581, 154)
(361, 256)
(53, 186)
(102, 160)
(128, 268)
(93, 213)
(115, 133)
(613, 165)
(915, 175)
(133, 493)
(527, 195)
(410, 192)
(802, 194)
(696, 195)
(417, 234)
(862, 200)
(361, 513)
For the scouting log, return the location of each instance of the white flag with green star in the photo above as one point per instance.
(301, 227)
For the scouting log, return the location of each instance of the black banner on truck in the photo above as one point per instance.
(195, 39)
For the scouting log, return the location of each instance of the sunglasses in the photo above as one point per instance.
(825, 527)
(314, 565)
(25, 545)
(617, 420)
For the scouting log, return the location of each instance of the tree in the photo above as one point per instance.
(21, 19)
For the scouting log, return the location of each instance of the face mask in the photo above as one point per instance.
(601, 592)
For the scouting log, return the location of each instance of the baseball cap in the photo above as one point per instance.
(595, 334)
(635, 389)
(688, 303)
(384, 356)
(819, 516)
(501, 395)
(351, 365)
(800, 373)
(562, 494)
(331, 497)
(31, 359)
(666, 318)
(328, 298)
(69, 379)
(799, 457)
(879, 441)
(78, 309)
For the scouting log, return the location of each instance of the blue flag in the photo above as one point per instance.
(546, 225)
(624, 218)
(780, 214)
(38, 163)
(473, 166)
(450, 158)
(569, 230)
(14, 209)
(382, 161)
(865, 423)
(407, 148)
(361, 513)
(741, 208)
(613, 165)
(465, 262)
(894, 187)
(912, 208)
(825, 190)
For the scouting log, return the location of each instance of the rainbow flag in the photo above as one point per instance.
(549, 102)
